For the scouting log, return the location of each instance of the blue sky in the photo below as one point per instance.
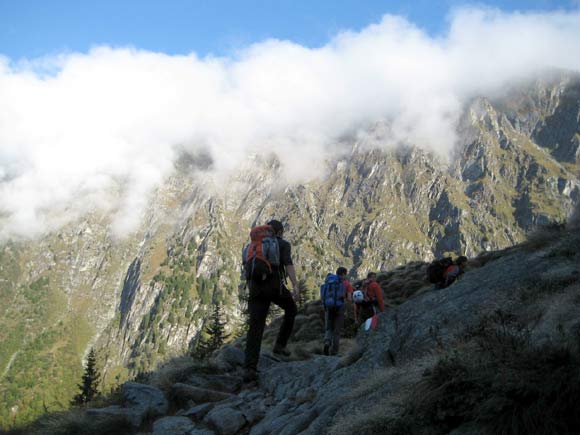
(34, 28)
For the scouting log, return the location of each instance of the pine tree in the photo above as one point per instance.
(215, 333)
(90, 382)
(306, 294)
(243, 298)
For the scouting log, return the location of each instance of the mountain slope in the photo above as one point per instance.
(495, 352)
(144, 299)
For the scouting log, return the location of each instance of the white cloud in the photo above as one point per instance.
(73, 126)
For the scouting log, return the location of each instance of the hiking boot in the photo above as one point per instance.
(326, 349)
(250, 375)
(282, 351)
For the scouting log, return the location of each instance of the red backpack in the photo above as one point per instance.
(262, 254)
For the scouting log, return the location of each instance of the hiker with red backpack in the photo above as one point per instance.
(334, 293)
(369, 299)
(267, 262)
(453, 271)
(445, 271)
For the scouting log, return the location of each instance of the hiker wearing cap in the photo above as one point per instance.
(268, 263)
(369, 299)
(334, 293)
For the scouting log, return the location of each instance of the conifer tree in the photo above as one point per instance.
(215, 333)
(306, 294)
(243, 298)
(90, 382)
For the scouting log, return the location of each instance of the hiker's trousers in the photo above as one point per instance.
(258, 306)
(333, 321)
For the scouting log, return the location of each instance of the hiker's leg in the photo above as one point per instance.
(284, 300)
(338, 321)
(328, 326)
(366, 312)
(258, 306)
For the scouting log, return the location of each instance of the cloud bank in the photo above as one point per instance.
(79, 130)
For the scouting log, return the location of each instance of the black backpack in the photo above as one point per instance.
(435, 271)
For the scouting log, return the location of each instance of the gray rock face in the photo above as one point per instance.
(145, 397)
(173, 426)
(202, 432)
(226, 384)
(198, 412)
(226, 420)
(140, 401)
(185, 392)
(229, 357)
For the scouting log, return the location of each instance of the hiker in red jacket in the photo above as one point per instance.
(341, 272)
(372, 299)
(453, 271)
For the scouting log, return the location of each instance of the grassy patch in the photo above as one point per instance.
(77, 423)
(499, 380)
(542, 236)
(538, 287)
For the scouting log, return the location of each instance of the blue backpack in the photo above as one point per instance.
(332, 292)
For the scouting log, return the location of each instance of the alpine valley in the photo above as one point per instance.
(143, 299)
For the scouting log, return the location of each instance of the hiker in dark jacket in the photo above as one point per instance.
(334, 316)
(436, 271)
(262, 294)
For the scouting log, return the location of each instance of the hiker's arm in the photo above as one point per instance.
(292, 275)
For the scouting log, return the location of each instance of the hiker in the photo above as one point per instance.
(267, 284)
(368, 299)
(453, 271)
(334, 293)
(436, 271)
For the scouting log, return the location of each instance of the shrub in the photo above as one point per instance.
(538, 287)
(542, 236)
(78, 423)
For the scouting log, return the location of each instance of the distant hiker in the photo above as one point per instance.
(453, 271)
(268, 261)
(334, 293)
(445, 271)
(369, 299)
(436, 271)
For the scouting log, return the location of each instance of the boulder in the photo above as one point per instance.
(173, 426)
(226, 420)
(225, 383)
(253, 411)
(183, 392)
(198, 412)
(146, 398)
(141, 401)
(228, 358)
